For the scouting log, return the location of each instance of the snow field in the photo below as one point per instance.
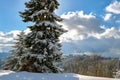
(10, 75)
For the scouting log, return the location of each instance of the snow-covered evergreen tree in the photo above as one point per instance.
(42, 48)
(13, 62)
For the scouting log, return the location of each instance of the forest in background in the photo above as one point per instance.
(92, 65)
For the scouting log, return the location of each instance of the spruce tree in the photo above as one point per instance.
(42, 46)
(13, 61)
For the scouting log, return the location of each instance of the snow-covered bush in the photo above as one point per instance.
(117, 74)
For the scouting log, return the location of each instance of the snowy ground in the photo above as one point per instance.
(9, 75)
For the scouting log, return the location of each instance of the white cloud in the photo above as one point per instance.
(114, 7)
(108, 33)
(8, 37)
(71, 35)
(27, 31)
(111, 32)
(86, 34)
(79, 25)
(107, 17)
(77, 13)
(1, 34)
(6, 40)
(13, 33)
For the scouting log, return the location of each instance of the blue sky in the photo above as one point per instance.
(10, 19)
(96, 6)
(9, 15)
(93, 25)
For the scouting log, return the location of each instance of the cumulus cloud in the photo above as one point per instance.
(114, 7)
(6, 40)
(108, 33)
(107, 17)
(86, 34)
(8, 37)
(80, 25)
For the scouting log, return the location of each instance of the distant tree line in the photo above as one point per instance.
(93, 65)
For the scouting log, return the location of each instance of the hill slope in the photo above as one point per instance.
(10, 75)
